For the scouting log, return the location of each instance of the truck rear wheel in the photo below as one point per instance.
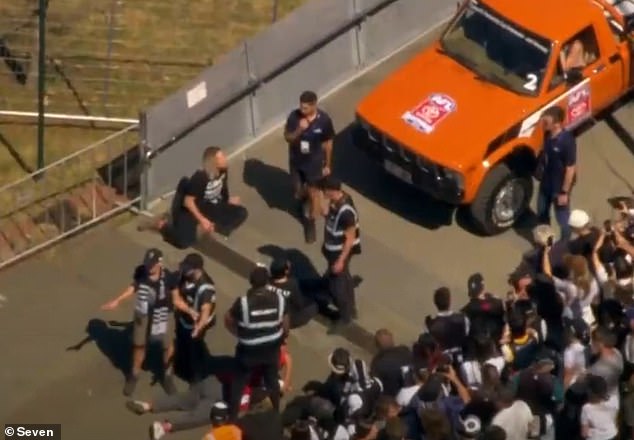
(503, 197)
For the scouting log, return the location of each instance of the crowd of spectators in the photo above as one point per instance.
(552, 359)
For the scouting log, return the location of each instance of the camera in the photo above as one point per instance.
(607, 226)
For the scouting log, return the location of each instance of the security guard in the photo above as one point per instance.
(449, 328)
(197, 289)
(341, 242)
(157, 295)
(260, 323)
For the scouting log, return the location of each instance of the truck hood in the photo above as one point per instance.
(477, 111)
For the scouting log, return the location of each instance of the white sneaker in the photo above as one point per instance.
(157, 431)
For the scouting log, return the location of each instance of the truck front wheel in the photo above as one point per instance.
(502, 198)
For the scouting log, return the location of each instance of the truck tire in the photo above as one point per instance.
(502, 198)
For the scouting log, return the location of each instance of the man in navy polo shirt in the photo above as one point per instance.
(309, 132)
(557, 170)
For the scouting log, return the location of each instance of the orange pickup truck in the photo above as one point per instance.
(461, 119)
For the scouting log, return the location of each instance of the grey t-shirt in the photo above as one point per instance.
(610, 368)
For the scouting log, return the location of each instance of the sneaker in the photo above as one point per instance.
(168, 384)
(137, 406)
(157, 431)
(310, 231)
(130, 385)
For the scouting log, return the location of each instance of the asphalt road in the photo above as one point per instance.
(411, 246)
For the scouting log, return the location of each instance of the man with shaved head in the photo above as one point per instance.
(390, 362)
(202, 202)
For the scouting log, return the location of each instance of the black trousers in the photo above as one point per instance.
(245, 366)
(341, 288)
(192, 355)
(181, 231)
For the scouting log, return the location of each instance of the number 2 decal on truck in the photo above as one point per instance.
(531, 82)
(429, 113)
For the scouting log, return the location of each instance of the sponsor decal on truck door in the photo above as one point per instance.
(578, 106)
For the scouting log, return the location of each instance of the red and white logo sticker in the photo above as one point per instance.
(579, 105)
(429, 113)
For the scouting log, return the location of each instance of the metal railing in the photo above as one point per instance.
(71, 194)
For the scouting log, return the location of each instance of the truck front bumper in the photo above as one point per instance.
(433, 179)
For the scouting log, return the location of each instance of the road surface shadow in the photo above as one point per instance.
(272, 183)
(112, 339)
(313, 286)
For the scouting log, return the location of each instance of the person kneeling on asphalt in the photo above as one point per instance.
(194, 405)
(300, 308)
(203, 200)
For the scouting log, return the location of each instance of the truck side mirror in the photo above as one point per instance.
(574, 76)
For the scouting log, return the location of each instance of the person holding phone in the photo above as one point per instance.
(309, 132)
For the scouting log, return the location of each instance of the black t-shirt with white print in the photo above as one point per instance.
(209, 191)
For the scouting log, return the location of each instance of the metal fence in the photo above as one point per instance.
(70, 195)
(112, 57)
(319, 45)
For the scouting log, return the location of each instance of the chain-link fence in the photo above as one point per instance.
(113, 57)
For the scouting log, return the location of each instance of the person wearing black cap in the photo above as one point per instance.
(449, 328)
(341, 242)
(157, 294)
(260, 322)
(300, 309)
(485, 311)
(197, 289)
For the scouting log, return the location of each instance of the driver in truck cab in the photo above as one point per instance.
(463, 120)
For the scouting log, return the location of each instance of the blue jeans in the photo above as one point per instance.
(547, 199)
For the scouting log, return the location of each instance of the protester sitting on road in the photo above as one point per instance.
(194, 405)
(203, 201)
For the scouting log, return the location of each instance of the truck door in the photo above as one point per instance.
(602, 76)
(603, 66)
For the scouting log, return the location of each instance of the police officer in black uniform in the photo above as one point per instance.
(197, 289)
(260, 322)
(341, 242)
(450, 329)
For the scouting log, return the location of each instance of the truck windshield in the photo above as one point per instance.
(497, 50)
